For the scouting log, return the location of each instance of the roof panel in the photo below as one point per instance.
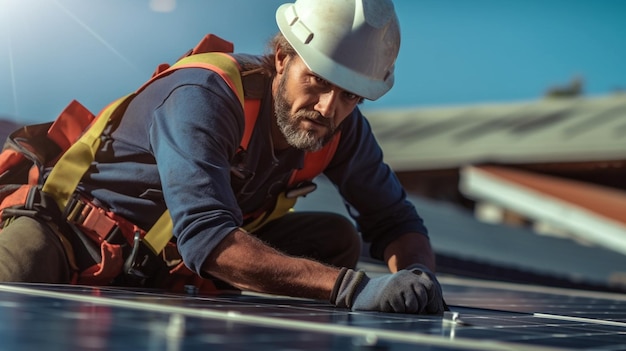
(549, 130)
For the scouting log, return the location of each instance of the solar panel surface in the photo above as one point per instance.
(492, 316)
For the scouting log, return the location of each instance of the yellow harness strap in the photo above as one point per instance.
(160, 234)
(67, 173)
(283, 205)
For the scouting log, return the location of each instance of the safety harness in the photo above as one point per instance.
(104, 248)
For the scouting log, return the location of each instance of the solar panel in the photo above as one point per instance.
(489, 317)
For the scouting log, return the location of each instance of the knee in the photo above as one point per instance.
(346, 242)
(31, 252)
(346, 232)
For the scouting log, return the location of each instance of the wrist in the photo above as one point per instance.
(347, 286)
(335, 291)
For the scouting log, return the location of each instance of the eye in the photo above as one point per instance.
(346, 95)
(321, 81)
(351, 97)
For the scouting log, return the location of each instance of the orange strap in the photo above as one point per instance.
(315, 162)
(251, 111)
(9, 158)
(70, 125)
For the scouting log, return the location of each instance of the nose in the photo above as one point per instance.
(327, 104)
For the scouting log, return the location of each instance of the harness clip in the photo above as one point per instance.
(302, 189)
(133, 266)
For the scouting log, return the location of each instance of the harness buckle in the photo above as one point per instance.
(84, 214)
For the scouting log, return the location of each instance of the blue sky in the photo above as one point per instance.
(453, 51)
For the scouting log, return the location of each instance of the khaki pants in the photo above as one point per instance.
(31, 252)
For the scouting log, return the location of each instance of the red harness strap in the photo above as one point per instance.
(60, 135)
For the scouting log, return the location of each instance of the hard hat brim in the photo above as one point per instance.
(327, 68)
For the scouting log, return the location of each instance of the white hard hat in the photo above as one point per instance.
(351, 43)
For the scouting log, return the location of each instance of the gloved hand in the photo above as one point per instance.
(411, 290)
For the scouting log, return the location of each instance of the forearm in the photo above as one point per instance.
(408, 249)
(247, 263)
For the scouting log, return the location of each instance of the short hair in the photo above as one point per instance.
(277, 42)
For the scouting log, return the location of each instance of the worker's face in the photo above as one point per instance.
(308, 108)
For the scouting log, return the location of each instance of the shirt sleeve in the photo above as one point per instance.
(374, 197)
(194, 133)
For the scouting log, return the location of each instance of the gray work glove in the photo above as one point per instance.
(411, 290)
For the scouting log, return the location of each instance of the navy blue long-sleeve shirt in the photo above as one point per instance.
(174, 147)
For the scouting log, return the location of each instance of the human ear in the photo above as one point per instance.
(280, 60)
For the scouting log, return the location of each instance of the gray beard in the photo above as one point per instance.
(290, 125)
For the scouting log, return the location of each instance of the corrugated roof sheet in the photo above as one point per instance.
(548, 130)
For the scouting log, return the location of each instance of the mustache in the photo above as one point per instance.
(315, 117)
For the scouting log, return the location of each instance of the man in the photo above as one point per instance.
(178, 146)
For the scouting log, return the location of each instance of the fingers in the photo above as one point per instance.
(414, 292)
(431, 294)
